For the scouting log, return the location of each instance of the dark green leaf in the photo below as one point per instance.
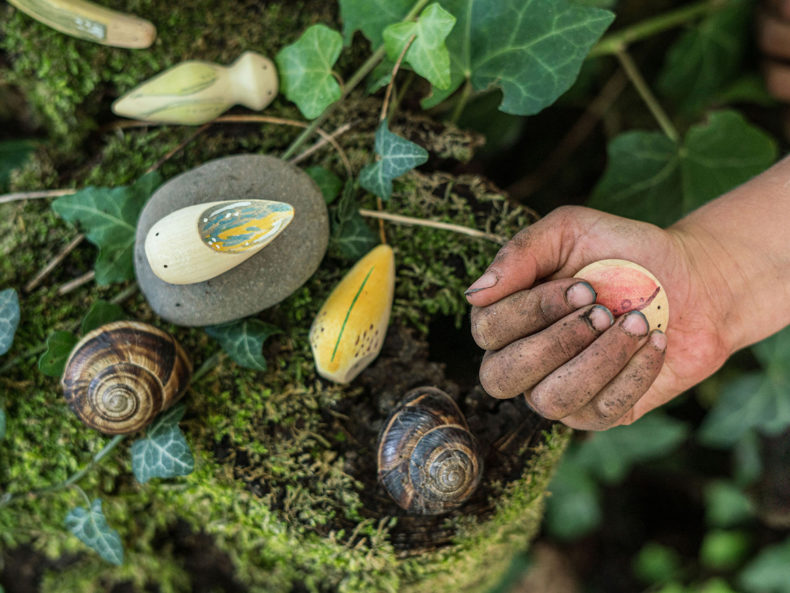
(9, 318)
(721, 154)
(651, 178)
(100, 313)
(13, 154)
(707, 57)
(747, 459)
(609, 455)
(427, 54)
(108, 217)
(371, 17)
(2, 423)
(243, 341)
(726, 505)
(163, 452)
(306, 70)
(756, 400)
(573, 509)
(657, 563)
(531, 49)
(769, 572)
(723, 550)
(59, 346)
(642, 179)
(397, 156)
(329, 183)
(352, 238)
(90, 526)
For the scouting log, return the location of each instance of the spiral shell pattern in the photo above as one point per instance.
(428, 460)
(120, 376)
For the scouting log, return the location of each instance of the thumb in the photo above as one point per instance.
(534, 253)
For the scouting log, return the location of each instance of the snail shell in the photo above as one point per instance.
(121, 375)
(428, 460)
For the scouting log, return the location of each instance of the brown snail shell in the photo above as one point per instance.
(428, 460)
(121, 375)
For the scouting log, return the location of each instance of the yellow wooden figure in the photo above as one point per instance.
(348, 332)
(196, 92)
(199, 242)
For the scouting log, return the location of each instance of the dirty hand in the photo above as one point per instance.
(545, 338)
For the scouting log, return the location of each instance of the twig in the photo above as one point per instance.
(388, 93)
(529, 184)
(446, 226)
(53, 263)
(323, 141)
(76, 283)
(178, 148)
(647, 95)
(31, 195)
(611, 44)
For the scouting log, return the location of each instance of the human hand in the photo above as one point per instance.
(574, 363)
(773, 38)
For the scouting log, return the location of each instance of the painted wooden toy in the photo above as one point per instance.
(195, 92)
(623, 286)
(348, 332)
(200, 242)
(86, 20)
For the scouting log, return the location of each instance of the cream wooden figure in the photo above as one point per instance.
(623, 286)
(199, 242)
(348, 332)
(196, 92)
(86, 20)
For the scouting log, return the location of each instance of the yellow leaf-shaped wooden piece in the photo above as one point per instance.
(195, 92)
(199, 242)
(348, 332)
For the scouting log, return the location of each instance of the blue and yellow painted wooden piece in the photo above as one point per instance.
(199, 242)
(348, 332)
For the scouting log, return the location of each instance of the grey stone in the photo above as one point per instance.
(266, 278)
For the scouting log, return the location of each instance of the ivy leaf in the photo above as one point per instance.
(108, 217)
(769, 572)
(610, 454)
(306, 70)
(574, 507)
(726, 505)
(649, 177)
(427, 54)
(371, 17)
(163, 452)
(90, 526)
(329, 183)
(398, 156)
(352, 238)
(59, 346)
(243, 341)
(9, 318)
(100, 313)
(13, 154)
(531, 49)
(708, 57)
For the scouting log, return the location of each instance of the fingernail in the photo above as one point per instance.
(659, 340)
(580, 295)
(635, 323)
(600, 317)
(487, 280)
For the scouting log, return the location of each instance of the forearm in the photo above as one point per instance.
(740, 244)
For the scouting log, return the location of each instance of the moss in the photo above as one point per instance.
(282, 486)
